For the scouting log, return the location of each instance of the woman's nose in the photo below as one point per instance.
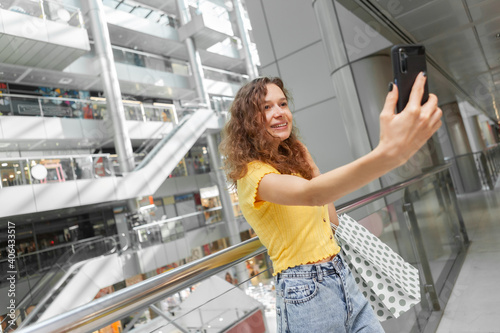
(278, 111)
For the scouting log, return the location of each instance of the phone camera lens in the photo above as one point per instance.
(403, 61)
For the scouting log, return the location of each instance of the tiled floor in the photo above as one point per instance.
(474, 305)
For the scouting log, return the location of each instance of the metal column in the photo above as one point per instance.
(114, 104)
(194, 56)
(111, 85)
(245, 40)
(227, 204)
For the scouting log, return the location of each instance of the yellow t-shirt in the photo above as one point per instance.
(293, 235)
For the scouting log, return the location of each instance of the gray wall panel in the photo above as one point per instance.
(322, 130)
(306, 76)
(372, 90)
(292, 25)
(270, 70)
(360, 39)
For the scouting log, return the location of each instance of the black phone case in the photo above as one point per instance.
(407, 62)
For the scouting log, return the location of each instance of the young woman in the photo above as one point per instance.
(289, 203)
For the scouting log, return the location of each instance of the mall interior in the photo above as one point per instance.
(115, 214)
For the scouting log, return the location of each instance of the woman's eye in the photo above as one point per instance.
(284, 104)
(267, 107)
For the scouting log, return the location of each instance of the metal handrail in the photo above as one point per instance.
(366, 199)
(492, 147)
(52, 157)
(110, 308)
(107, 310)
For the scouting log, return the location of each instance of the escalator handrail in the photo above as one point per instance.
(113, 307)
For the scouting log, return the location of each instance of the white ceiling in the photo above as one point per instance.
(460, 37)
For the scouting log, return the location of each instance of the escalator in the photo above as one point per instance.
(143, 181)
(51, 281)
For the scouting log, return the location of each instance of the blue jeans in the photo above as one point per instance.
(322, 298)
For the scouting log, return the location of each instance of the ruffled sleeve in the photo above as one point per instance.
(248, 185)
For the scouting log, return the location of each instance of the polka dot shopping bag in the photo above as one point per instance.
(390, 284)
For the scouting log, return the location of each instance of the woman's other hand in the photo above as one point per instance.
(403, 134)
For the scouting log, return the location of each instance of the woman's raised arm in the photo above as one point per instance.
(401, 136)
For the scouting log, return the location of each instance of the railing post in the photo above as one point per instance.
(170, 321)
(40, 105)
(453, 198)
(44, 17)
(23, 174)
(487, 175)
(417, 243)
(143, 113)
(73, 164)
(80, 19)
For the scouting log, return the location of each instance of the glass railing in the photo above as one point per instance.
(63, 168)
(224, 76)
(167, 230)
(475, 171)
(148, 60)
(24, 105)
(418, 218)
(47, 10)
(179, 67)
(54, 169)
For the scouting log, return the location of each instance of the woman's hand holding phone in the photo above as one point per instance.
(403, 134)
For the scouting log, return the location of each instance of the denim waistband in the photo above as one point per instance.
(313, 270)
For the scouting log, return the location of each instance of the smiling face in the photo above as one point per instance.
(277, 115)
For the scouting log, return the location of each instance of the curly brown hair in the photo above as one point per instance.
(245, 138)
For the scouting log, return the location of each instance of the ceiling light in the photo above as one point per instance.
(4, 164)
(498, 35)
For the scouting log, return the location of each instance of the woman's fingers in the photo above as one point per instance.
(417, 91)
(391, 99)
(435, 121)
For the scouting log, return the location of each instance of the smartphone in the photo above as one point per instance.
(407, 62)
